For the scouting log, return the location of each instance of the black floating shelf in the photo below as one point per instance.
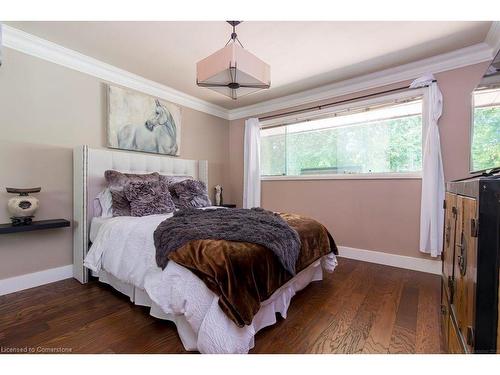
(35, 225)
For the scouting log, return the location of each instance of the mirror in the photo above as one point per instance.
(485, 132)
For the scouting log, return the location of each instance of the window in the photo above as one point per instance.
(383, 138)
(485, 150)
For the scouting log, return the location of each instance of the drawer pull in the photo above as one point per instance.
(462, 257)
(474, 228)
(470, 336)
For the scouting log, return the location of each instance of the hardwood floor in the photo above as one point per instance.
(360, 308)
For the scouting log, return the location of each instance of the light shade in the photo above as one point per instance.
(233, 71)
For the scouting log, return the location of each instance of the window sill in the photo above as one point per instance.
(364, 176)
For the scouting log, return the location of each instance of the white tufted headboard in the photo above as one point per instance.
(89, 166)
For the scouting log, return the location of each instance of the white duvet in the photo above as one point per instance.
(124, 247)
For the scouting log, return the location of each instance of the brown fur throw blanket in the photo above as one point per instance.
(256, 226)
(244, 274)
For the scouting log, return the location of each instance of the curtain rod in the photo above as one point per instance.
(323, 106)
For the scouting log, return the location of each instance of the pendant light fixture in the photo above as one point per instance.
(232, 70)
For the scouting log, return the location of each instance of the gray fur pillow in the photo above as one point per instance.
(117, 182)
(190, 194)
(170, 180)
(148, 198)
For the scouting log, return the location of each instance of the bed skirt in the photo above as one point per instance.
(141, 298)
(266, 316)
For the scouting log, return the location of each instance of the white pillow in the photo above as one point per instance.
(103, 204)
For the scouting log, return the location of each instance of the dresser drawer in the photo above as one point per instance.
(464, 300)
(450, 224)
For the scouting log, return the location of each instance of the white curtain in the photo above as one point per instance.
(251, 170)
(431, 207)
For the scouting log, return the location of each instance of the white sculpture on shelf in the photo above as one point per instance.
(218, 195)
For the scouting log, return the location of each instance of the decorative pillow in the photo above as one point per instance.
(170, 180)
(190, 194)
(116, 184)
(148, 198)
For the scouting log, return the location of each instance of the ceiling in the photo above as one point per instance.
(302, 55)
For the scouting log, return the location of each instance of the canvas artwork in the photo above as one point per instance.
(140, 122)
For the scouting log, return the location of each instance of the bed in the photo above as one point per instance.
(123, 255)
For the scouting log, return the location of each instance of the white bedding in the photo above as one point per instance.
(124, 248)
(95, 225)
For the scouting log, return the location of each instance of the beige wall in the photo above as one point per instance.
(46, 110)
(381, 215)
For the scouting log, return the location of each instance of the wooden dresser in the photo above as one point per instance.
(470, 278)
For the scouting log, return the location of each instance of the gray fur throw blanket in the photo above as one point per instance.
(254, 225)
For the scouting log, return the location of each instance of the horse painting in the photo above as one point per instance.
(147, 129)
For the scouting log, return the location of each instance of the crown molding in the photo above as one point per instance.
(49, 51)
(452, 60)
(46, 50)
(493, 37)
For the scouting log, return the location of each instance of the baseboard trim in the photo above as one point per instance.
(400, 261)
(31, 280)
